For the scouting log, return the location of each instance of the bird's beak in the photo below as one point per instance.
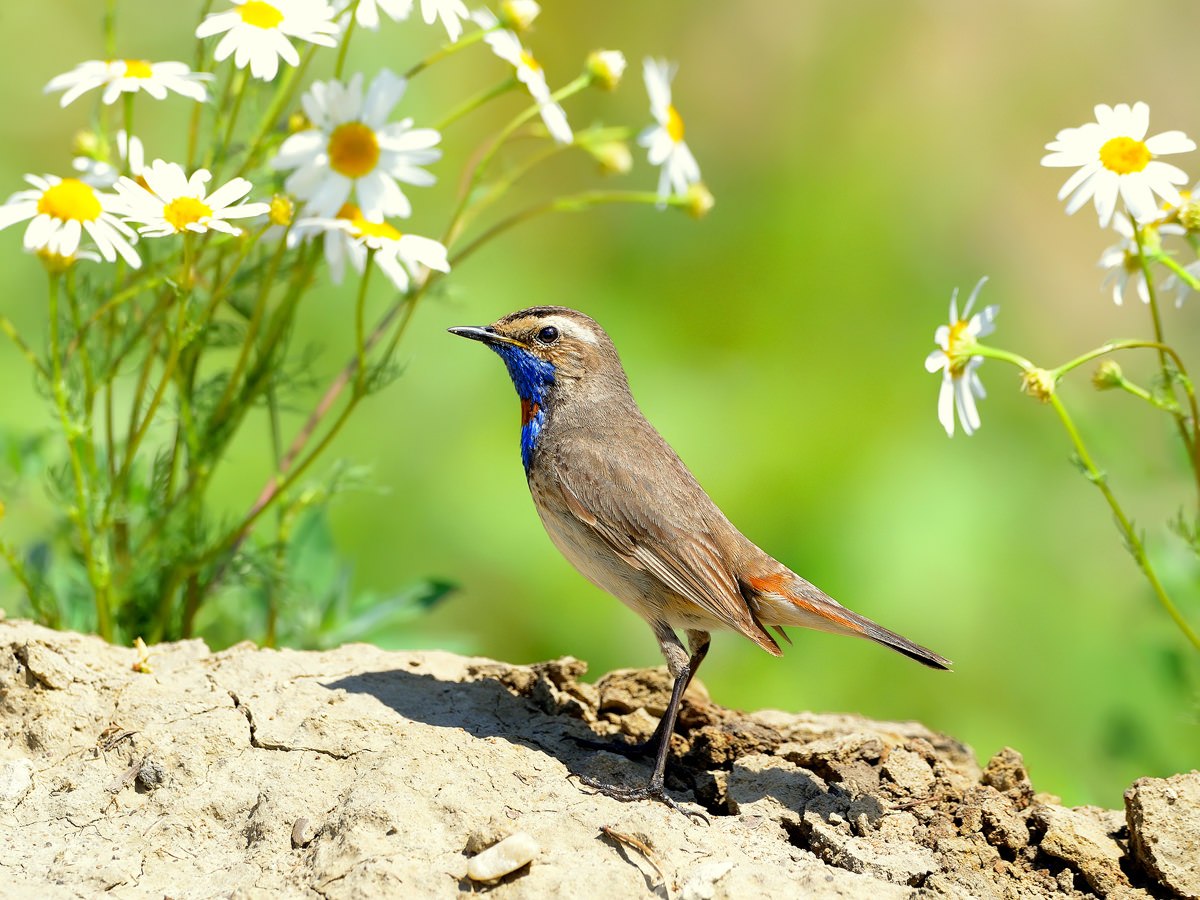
(484, 334)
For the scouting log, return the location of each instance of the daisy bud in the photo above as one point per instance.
(614, 157)
(518, 15)
(54, 263)
(1189, 216)
(282, 210)
(699, 200)
(87, 143)
(606, 68)
(1039, 384)
(298, 122)
(1107, 376)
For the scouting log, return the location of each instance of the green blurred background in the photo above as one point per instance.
(866, 158)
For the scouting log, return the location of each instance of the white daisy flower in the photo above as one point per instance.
(960, 383)
(61, 209)
(172, 203)
(1181, 288)
(1114, 157)
(451, 12)
(664, 141)
(366, 13)
(352, 148)
(257, 32)
(119, 76)
(506, 45)
(349, 235)
(1124, 262)
(102, 174)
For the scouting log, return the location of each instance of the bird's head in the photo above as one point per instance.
(553, 354)
(549, 348)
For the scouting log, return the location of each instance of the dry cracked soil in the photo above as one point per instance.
(359, 773)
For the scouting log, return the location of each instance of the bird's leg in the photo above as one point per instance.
(681, 668)
(698, 643)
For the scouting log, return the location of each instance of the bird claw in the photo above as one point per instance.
(649, 792)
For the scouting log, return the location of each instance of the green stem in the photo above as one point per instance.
(444, 51)
(97, 567)
(45, 613)
(10, 330)
(360, 305)
(1127, 530)
(1187, 277)
(1191, 441)
(344, 49)
(238, 88)
(590, 200)
(457, 222)
(110, 29)
(283, 96)
(473, 103)
(197, 108)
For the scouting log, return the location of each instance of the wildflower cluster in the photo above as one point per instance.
(175, 272)
(1142, 199)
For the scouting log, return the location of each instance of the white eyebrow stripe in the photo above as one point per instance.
(571, 327)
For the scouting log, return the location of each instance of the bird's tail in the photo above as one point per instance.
(784, 598)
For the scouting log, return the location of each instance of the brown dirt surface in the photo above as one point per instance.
(359, 773)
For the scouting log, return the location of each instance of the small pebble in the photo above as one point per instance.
(302, 833)
(500, 859)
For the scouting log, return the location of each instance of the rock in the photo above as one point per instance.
(1163, 815)
(1084, 839)
(16, 777)
(503, 858)
(358, 773)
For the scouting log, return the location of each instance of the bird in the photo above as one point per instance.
(621, 506)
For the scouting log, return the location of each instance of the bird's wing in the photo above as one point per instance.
(658, 524)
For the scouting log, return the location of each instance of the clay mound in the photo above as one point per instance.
(360, 773)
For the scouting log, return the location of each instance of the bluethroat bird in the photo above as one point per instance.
(621, 506)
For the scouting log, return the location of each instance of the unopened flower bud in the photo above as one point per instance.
(614, 157)
(282, 210)
(1107, 376)
(87, 143)
(297, 122)
(54, 263)
(1039, 384)
(699, 201)
(606, 68)
(518, 14)
(1189, 215)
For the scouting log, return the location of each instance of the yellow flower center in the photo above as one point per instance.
(529, 62)
(674, 124)
(70, 199)
(281, 210)
(184, 211)
(260, 14)
(138, 68)
(958, 345)
(376, 229)
(352, 214)
(353, 150)
(1124, 155)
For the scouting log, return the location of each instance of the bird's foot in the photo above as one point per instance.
(620, 746)
(651, 791)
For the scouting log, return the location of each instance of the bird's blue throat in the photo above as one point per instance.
(532, 378)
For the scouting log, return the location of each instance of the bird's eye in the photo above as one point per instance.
(548, 335)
